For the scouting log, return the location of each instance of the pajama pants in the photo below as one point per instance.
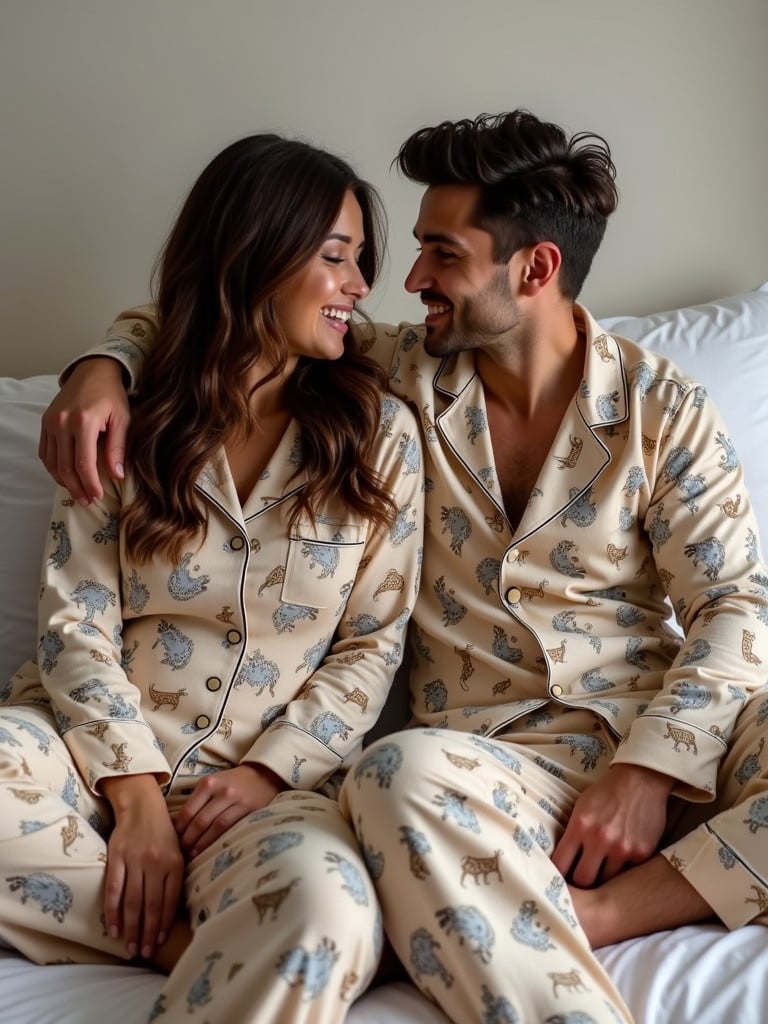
(458, 831)
(286, 922)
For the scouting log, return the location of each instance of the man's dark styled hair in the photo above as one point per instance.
(535, 183)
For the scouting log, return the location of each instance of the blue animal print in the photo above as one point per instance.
(628, 615)
(563, 559)
(423, 959)
(658, 528)
(311, 970)
(572, 1017)
(94, 596)
(109, 532)
(529, 931)
(324, 556)
(182, 585)
(678, 461)
(410, 453)
(272, 845)
(178, 648)
(592, 748)
(500, 753)
(626, 519)
(313, 656)
(224, 862)
(60, 554)
(502, 798)
(487, 573)
(476, 421)
(698, 650)
(757, 814)
(352, 880)
(643, 379)
(581, 510)
(389, 409)
(635, 480)
(382, 761)
(94, 689)
(709, 552)
(753, 554)
(606, 406)
(326, 725)
(286, 616)
(454, 808)
(363, 624)
(729, 460)
(502, 648)
(53, 896)
(137, 593)
(471, 926)
(259, 673)
(453, 610)
(403, 525)
(199, 993)
(554, 893)
(457, 524)
(565, 622)
(750, 766)
(50, 646)
(37, 734)
(435, 695)
(692, 486)
(593, 682)
(497, 1009)
(635, 655)
(523, 840)
(6, 736)
(690, 697)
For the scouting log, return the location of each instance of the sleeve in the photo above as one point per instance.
(128, 340)
(96, 706)
(707, 554)
(323, 728)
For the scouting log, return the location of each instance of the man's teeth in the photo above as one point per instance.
(337, 314)
(434, 310)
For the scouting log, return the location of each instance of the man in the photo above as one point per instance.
(574, 483)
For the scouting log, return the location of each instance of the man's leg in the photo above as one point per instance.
(457, 832)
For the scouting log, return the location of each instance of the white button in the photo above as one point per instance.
(556, 691)
(233, 636)
(514, 595)
(202, 721)
(237, 543)
(512, 554)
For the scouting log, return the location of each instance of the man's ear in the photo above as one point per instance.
(540, 265)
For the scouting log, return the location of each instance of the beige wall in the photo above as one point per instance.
(110, 108)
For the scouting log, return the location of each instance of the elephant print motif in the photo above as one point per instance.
(424, 960)
(476, 421)
(403, 526)
(326, 725)
(51, 894)
(554, 894)
(352, 880)
(382, 762)
(529, 931)
(453, 804)
(757, 814)
(750, 766)
(177, 647)
(471, 926)
(592, 748)
(581, 510)
(182, 585)
(311, 970)
(710, 553)
(259, 673)
(690, 697)
(564, 560)
(323, 556)
(286, 616)
(435, 695)
(502, 648)
(95, 597)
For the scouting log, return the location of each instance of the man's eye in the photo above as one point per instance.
(444, 254)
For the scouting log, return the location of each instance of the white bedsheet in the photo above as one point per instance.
(695, 975)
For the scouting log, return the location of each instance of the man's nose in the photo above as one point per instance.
(418, 279)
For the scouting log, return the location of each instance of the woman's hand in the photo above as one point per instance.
(92, 401)
(219, 801)
(145, 865)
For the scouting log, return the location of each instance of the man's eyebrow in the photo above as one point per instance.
(439, 237)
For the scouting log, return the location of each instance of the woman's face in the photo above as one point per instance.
(315, 306)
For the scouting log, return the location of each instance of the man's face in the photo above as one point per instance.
(469, 299)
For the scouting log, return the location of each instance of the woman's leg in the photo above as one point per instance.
(52, 846)
(286, 923)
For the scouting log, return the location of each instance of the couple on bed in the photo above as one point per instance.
(221, 619)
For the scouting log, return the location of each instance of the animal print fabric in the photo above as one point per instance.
(286, 921)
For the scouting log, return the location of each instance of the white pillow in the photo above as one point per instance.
(724, 345)
(26, 498)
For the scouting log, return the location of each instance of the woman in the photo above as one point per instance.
(219, 630)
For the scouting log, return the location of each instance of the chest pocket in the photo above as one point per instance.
(322, 563)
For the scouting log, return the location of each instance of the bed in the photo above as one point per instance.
(700, 974)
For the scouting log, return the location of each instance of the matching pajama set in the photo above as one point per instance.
(267, 643)
(545, 653)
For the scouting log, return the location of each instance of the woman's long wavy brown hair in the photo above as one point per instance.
(255, 217)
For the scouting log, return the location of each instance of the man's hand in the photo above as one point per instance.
(219, 801)
(616, 822)
(145, 866)
(92, 401)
